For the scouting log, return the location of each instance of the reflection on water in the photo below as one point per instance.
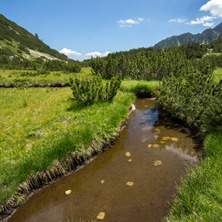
(133, 188)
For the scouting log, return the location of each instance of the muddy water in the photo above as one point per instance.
(153, 186)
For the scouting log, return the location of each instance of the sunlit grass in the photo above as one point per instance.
(41, 125)
(200, 196)
(218, 74)
(8, 77)
(139, 86)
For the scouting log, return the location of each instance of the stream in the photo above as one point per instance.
(135, 180)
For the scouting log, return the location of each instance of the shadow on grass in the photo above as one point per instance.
(76, 106)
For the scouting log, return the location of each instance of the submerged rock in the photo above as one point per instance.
(67, 192)
(101, 216)
(157, 163)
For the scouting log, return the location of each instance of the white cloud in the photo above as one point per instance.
(214, 7)
(129, 22)
(69, 52)
(97, 54)
(179, 20)
(203, 20)
(208, 24)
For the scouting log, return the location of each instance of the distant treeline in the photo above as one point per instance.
(49, 65)
(148, 63)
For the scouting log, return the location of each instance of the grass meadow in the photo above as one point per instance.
(31, 77)
(40, 126)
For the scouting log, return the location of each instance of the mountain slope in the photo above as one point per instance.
(205, 37)
(16, 41)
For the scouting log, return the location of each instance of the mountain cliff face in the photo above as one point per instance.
(205, 37)
(16, 41)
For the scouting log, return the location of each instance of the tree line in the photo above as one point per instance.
(148, 63)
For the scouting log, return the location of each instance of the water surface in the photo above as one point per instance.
(153, 189)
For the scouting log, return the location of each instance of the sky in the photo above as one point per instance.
(84, 28)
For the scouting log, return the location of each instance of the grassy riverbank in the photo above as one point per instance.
(200, 196)
(40, 126)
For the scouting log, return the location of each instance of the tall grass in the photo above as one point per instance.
(139, 86)
(41, 126)
(218, 74)
(200, 196)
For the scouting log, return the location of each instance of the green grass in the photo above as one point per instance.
(200, 196)
(218, 74)
(139, 86)
(13, 45)
(8, 77)
(214, 53)
(42, 125)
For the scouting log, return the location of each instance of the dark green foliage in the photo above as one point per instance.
(196, 99)
(148, 63)
(41, 71)
(212, 115)
(5, 52)
(145, 64)
(92, 90)
(194, 50)
(214, 60)
(56, 65)
(216, 45)
(38, 64)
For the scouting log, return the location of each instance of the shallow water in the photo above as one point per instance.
(153, 189)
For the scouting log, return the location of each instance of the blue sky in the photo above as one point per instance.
(85, 28)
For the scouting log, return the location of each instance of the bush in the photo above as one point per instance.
(212, 115)
(92, 90)
(195, 99)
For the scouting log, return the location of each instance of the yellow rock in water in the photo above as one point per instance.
(130, 160)
(68, 192)
(150, 145)
(174, 139)
(127, 154)
(162, 142)
(101, 216)
(155, 145)
(102, 181)
(129, 184)
(166, 138)
(157, 163)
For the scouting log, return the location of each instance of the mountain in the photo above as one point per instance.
(16, 41)
(205, 37)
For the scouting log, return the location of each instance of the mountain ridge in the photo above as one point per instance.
(207, 36)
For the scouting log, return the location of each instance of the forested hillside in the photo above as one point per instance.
(19, 49)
